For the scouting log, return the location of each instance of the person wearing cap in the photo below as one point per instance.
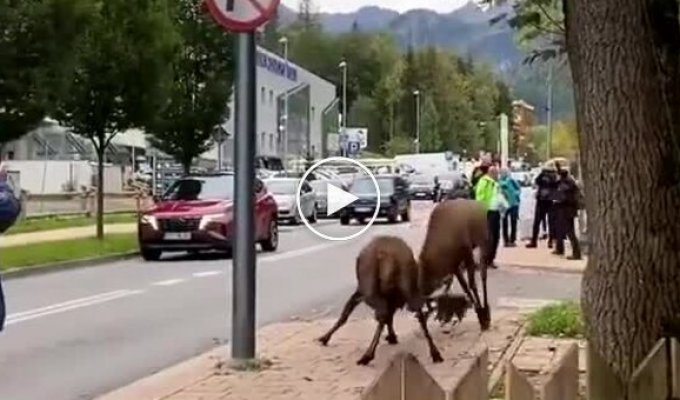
(487, 192)
(546, 184)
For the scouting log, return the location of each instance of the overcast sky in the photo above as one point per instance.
(398, 5)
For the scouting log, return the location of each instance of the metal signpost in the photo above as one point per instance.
(244, 17)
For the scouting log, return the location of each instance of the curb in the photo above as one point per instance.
(540, 268)
(66, 265)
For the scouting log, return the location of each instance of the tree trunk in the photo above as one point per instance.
(100, 186)
(624, 59)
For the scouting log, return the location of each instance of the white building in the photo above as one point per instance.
(312, 108)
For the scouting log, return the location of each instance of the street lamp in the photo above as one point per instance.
(416, 93)
(284, 132)
(343, 67)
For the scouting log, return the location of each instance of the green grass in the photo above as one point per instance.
(562, 320)
(46, 253)
(51, 223)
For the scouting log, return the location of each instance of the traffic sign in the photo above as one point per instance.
(242, 15)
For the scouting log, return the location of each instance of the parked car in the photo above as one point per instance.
(422, 187)
(395, 201)
(321, 189)
(196, 214)
(285, 194)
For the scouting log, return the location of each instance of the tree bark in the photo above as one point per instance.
(625, 61)
(101, 149)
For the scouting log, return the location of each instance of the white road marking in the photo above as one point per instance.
(206, 274)
(69, 305)
(300, 252)
(168, 282)
(523, 303)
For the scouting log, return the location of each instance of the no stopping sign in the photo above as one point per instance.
(242, 15)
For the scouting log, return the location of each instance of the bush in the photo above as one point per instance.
(562, 320)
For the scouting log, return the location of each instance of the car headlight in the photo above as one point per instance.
(149, 220)
(206, 219)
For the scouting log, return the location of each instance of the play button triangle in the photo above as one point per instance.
(337, 199)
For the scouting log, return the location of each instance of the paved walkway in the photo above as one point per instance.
(538, 258)
(63, 234)
(301, 369)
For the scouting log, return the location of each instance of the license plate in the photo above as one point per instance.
(178, 236)
(363, 209)
(420, 194)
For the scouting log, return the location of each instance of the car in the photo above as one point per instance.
(395, 201)
(196, 214)
(284, 191)
(321, 189)
(422, 187)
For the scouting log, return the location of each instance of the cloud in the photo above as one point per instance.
(442, 6)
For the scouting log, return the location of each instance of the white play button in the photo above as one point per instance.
(337, 199)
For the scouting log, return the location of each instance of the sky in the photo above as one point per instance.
(398, 5)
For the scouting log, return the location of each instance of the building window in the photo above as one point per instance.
(262, 142)
(271, 97)
(271, 142)
(263, 94)
(313, 113)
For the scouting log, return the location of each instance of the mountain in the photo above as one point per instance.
(466, 30)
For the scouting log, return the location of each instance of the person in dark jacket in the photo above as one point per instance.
(10, 210)
(546, 183)
(567, 197)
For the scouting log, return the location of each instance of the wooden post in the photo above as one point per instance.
(562, 381)
(474, 383)
(602, 384)
(517, 386)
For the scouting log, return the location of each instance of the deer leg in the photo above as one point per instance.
(466, 289)
(487, 309)
(391, 335)
(350, 305)
(381, 315)
(482, 310)
(434, 352)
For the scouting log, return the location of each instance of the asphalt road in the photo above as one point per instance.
(80, 333)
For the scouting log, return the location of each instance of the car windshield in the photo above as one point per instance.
(422, 179)
(201, 188)
(283, 186)
(365, 186)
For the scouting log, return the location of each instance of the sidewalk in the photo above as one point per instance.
(540, 258)
(301, 369)
(63, 234)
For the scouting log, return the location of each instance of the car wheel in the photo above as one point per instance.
(361, 220)
(392, 216)
(406, 215)
(151, 254)
(271, 243)
(344, 220)
(295, 220)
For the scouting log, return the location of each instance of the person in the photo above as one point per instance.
(10, 208)
(512, 191)
(546, 182)
(567, 203)
(436, 190)
(479, 171)
(487, 192)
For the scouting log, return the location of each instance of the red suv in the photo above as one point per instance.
(196, 213)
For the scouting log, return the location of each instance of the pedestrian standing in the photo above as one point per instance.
(10, 208)
(488, 193)
(567, 204)
(512, 191)
(546, 183)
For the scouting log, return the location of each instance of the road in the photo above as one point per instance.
(80, 333)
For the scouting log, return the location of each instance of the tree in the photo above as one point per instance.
(565, 140)
(201, 88)
(307, 17)
(35, 54)
(430, 141)
(122, 76)
(270, 36)
(627, 87)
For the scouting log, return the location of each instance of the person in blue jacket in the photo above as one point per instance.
(512, 191)
(10, 208)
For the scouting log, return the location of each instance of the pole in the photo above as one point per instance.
(219, 155)
(285, 126)
(550, 110)
(344, 103)
(243, 314)
(418, 123)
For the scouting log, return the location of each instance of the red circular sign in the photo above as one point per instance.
(242, 15)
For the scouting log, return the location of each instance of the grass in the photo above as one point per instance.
(51, 223)
(46, 253)
(563, 320)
